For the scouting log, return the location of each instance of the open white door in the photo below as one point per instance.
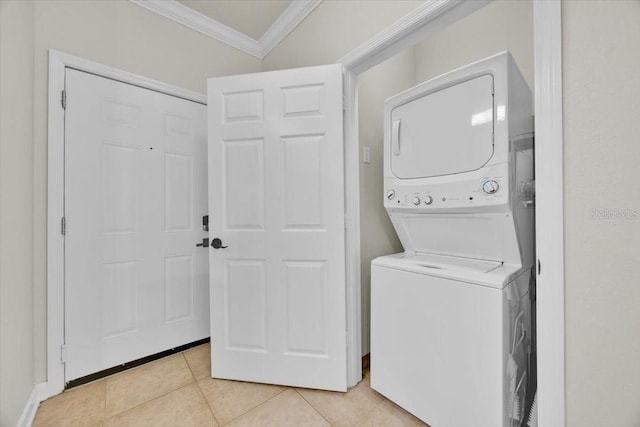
(276, 201)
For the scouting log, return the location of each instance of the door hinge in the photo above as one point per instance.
(63, 99)
(63, 226)
(63, 354)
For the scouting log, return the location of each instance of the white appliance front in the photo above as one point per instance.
(451, 352)
(444, 132)
(450, 322)
(135, 193)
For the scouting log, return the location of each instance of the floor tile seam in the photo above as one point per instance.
(373, 409)
(189, 366)
(313, 407)
(146, 401)
(207, 402)
(257, 406)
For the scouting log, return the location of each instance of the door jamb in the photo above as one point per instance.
(58, 63)
(414, 27)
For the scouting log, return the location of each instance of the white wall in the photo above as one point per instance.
(501, 25)
(601, 83)
(126, 36)
(16, 208)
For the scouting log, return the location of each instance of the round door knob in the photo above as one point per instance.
(217, 244)
(490, 186)
(428, 200)
(391, 194)
(416, 200)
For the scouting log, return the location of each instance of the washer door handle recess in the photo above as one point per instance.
(217, 244)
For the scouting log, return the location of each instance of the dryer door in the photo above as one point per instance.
(444, 132)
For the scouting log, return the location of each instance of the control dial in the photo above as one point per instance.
(490, 186)
(428, 200)
(416, 200)
(390, 194)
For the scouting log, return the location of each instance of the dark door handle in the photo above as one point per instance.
(204, 244)
(217, 244)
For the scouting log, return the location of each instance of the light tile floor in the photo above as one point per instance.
(177, 391)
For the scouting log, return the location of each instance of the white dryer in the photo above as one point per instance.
(451, 317)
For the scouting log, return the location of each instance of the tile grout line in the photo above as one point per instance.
(146, 401)
(260, 404)
(200, 389)
(312, 407)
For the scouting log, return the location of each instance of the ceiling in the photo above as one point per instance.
(253, 26)
(251, 17)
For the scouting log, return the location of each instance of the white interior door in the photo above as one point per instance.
(276, 198)
(135, 194)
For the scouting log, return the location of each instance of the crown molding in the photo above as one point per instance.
(290, 18)
(427, 18)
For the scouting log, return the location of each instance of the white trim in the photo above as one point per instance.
(426, 19)
(290, 18)
(352, 233)
(30, 409)
(547, 26)
(178, 12)
(58, 62)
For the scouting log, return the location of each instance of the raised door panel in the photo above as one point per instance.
(303, 185)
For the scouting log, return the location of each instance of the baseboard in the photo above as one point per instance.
(30, 409)
(366, 361)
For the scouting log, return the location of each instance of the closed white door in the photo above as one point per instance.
(276, 198)
(135, 194)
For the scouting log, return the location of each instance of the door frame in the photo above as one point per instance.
(428, 18)
(58, 63)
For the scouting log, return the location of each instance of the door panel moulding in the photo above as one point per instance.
(290, 18)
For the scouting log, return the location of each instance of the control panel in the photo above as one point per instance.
(489, 190)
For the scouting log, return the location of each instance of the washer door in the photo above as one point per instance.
(444, 132)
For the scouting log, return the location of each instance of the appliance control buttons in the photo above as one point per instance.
(391, 194)
(490, 186)
(428, 200)
(416, 200)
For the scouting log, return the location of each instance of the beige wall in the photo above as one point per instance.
(377, 234)
(334, 29)
(126, 36)
(601, 84)
(501, 25)
(16, 208)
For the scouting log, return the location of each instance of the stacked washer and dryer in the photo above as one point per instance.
(451, 316)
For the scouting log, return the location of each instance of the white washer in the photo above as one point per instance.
(450, 317)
